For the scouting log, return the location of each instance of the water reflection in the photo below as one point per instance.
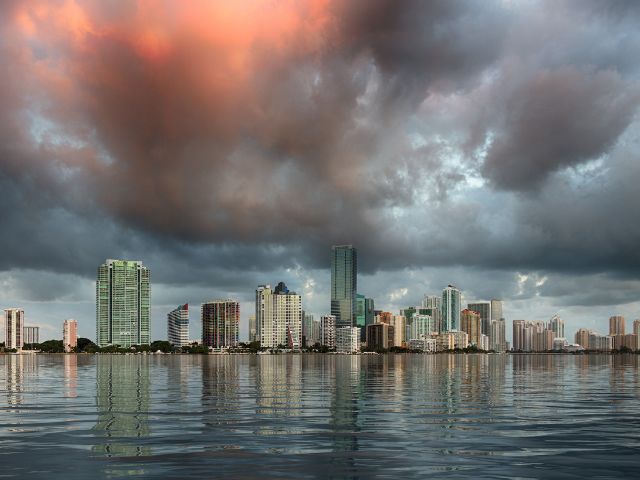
(122, 401)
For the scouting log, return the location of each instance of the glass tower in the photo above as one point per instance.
(451, 301)
(122, 303)
(344, 284)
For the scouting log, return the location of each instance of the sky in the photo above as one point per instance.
(493, 145)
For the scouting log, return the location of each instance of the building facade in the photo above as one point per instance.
(484, 310)
(496, 309)
(422, 325)
(347, 339)
(556, 324)
(344, 284)
(328, 330)
(471, 322)
(31, 335)
(178, 326)
(253, 329)
(69, 334)
(380, 336)
(123, 305)
(278, 316)
(220, 323)
(14, 328)
(497, 339)
(451, 306)
(616, 325)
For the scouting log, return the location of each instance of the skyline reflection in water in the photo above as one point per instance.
(319, 415)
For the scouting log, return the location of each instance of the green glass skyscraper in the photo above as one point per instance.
(122, 303)
(344, 284)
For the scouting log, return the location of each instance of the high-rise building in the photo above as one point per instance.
(178, 326)
(347, 339)
(328, 330)
(422, 326)
(380, 336)
(432, 305)
(344, 284)
(253, 329)
(278, 316)
(360, 311)
(309, 330)
(582, 338)
(13, 328)
(497, 340)
(496, 309)
(519, 335)
(69, 334)
(220, 323)
(636, 327)
(122, 303)
(31, 335)
(616, 325)
(556, 325)
(399, 326)
(451, 302)
(369, 311)
(470, 322)
(484, 310)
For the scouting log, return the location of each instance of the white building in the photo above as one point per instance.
(451, 307)
(328, 330)
(178, 326)
(497, 340)
(13, 328)
(347, 339)
(278, 316)
(484, 342)
(425, 344)
(31, 335)
(422, 325)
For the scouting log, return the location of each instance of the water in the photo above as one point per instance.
(309, 416)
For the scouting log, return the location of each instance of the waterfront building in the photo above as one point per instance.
(445, 342)
(328, 330)
(278, 316)
(361, 307)
(497, 340)
(178, 326)
(432, 305)
(451, 302)
(123, 292)
(616, 325)
(220, 323)
(484, 342)
(380, 336)
(422, 325)
(369, 311)
(460, 339)
(253, 329)
(556, 324)
(31, 335)
(424, 344)
(308, 337)
(630, 341)
(560, 344)
(14, 328)
(522, 333)
(496, 309)
(542, 339)
(344, 284)
(582, 338)
(399, 327)
(347, 339)
(471, 322)
(70, 334)
(636, 327)
(484, 310)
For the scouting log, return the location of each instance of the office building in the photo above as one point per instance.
(69, 334)
(556, 324)
(484, 310)
(122, 303)
(616, 325)
(380, 336)
(279, 316)
(451, 302)
(432, 305)
(361, 308)
(344, 284)
(422, 326)
(496, 309)
(399, 328)
(328, 330)
(31, 335)
(497, 340)
(347, 339)
(471, 322)
(220, 323)
(369, 311)
(308, 337)
(13, 328)
(178, 326)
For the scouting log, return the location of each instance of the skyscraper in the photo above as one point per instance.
(178, 326)
(451, 302)
(220, 323)
(278, 316)
(361, 308)
(69, 334)
(432, 305)
(471, 322)
(253, 329)
(484, 310)
(344, 284)
(328, 330)
(616, 325)
(497, 340)
(496, 309)
(556, 324)
(13, 328)
(122, 303)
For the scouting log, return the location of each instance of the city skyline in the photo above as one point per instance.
(437, 137)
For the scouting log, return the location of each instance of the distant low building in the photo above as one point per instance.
(31, 335)
(347, 339)
(425, 344)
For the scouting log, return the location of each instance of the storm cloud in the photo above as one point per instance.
(229, 144)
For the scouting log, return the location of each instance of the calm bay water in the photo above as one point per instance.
(306, 416)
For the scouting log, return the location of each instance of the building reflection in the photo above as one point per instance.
(220, 388)
(70, 375)
(122, 401)
(18, 368)
(279, 385)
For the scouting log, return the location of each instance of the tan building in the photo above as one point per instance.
(444, 342)
(385, 317)
(460, 339)
(399, 323)
(582, 338)
(380, 336)
(616, 325)
(636, 327)
(471, 323)
(70, 335)
(630, 341)
(543, 340)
